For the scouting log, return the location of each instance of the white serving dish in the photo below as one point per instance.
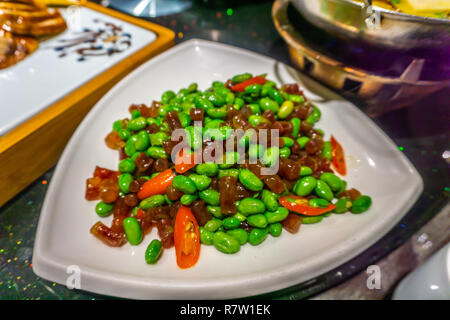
(375, 166)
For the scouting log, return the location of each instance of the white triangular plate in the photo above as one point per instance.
(375, 166)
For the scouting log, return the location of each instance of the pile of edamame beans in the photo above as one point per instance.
(232, 201)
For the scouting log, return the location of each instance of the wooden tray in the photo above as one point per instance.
(34, 146)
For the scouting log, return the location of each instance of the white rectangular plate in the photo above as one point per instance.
(375, 166)
(43, 78)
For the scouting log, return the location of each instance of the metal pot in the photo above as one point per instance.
(347, 18)
(381, 93)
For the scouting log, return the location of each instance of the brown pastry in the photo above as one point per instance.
(15, 48)
(30, 19)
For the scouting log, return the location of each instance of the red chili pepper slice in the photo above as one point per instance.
(140, 214)
(300, 205)
(184, 161)
(241, 86)
(338, 157)
(186, 238)
(157, 185)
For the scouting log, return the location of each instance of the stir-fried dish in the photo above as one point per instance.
(227, 166)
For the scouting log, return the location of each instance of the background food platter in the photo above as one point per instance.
(46, 95)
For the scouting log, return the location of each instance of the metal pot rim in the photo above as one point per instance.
(400, 15)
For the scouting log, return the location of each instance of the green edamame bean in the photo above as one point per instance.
(124, 182)
(256, 110)
(213, 124)
(217, 113)
(302, 141)
(286, 109)
(311, 220)
(142, 141)
(323, 190)
(288, 142)
(269, 199)
(194, 137)
(229, 98)
(132, 230)
(275, 229)
(216, 99)
(267, 87)
(240, 234)
(153, 251)
(326, 151)
(212, 225)
(269, 104)
(156, 153)
(117, 125)
(361, 204)
(226, 243)
(209, 169)
(250, 180)
(228, 173)
(255, 151)
(185, 119)
(241, 77)
(201, 181)
(305, 186)
(285, 152)
(206, 237)
(314, 116)
(257, 236)
(229, 160)
(157, 139)
(249, 206)
(124, 134)
(247, 138)
(231, 223)
(167, 96)
(204, 104)
(184, 184)
(164, 126)
(342, 205)
(127, 166)
(210, 196)
(218, 84)
(256, 120)
(152, 202)
(332, 180)
(135, 114)
(295, 126)
(254, 90)
(278, 215)
(296, 98)
(318, 203)
(271, 156)
(216, 211)
(305, 171)
(276, 95)
(129, 149)
(137, 124)
(238, 103)
(104, 209)
(192, 87)
(320, 131)
(187, 199)
(257, 220)
(240, 216)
